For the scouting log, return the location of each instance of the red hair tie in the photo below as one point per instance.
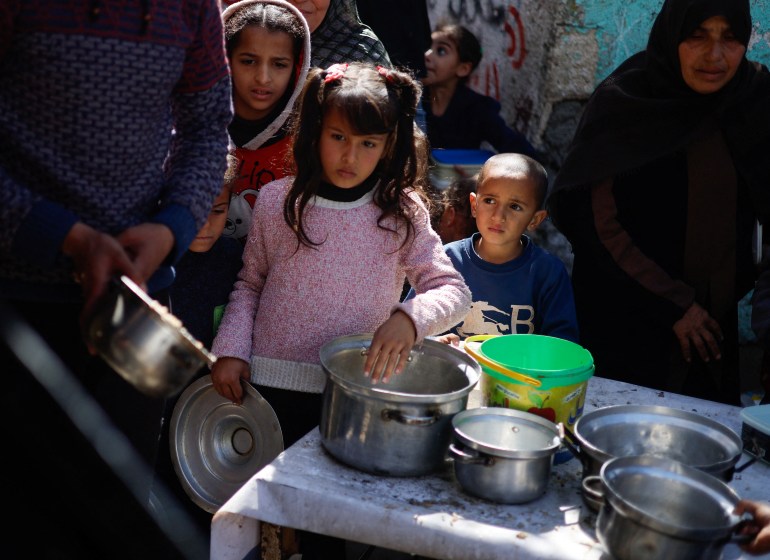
(335, 72)
(385, 73)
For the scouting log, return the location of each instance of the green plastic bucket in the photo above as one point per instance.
(560, 368)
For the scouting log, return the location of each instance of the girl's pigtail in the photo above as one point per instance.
(413, 144)
(307, 167)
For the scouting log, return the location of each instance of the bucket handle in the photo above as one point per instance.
(497, 366)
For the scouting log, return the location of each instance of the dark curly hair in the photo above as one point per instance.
(372, 100)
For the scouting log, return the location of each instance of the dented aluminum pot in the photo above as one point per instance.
(143, 342)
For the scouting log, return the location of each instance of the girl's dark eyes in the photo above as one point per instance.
(441, 51)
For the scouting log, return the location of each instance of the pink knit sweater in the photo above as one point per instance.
(286, 305)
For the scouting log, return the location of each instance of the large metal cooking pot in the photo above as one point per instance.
(403, 427)
(143, 342)
(503, 455)
(655, 507)
(627, 430)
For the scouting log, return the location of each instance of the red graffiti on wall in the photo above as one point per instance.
(518, 49)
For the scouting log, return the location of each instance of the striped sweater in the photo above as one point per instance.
(90, 93)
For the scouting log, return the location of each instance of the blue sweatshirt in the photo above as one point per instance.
(529, 294)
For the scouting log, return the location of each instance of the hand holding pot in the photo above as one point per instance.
(226, 375)
(390, 348)
(759, 526)
(97, 258)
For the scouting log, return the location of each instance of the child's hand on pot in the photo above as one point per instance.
(226, 375)
(390, 348)
(759, 526)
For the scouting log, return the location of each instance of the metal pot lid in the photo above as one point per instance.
(670, 497)
(505, 432)
(216, 446)
(435, 373)
(627, 430)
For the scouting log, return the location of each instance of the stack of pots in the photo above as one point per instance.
(655, 507)
(629, 430)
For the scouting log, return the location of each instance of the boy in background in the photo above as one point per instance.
(516, 287)
(452, 217)
(458, 117)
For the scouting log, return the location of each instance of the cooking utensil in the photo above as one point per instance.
(401, 428)
(143, 342)
(655, 507)
(503, 455)
(628, 430)
(216, 446)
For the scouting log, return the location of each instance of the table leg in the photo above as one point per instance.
(234, 537)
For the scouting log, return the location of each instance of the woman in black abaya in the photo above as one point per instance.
(659, 195)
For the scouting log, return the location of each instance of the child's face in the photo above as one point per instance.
(347, 159)
(215, 224)
(504, 208)
(313, 10)
(262, 66)
(442, 62)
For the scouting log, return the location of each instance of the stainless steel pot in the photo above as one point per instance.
(143, 342)
(503, 455)
(401, 428)
(628, 430)
(656, 507)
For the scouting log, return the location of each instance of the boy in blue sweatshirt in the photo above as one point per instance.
(516, 286)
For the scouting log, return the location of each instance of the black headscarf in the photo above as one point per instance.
(645, 110)
(343, 37)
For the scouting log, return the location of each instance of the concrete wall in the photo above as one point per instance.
(543, 58)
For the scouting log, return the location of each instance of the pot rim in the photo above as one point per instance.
(381, 391)
(603, 456)
(514, 416)
(687, 475)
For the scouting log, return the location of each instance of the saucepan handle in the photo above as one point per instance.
(462, 456)
(739, 538)
(388, 414)
(570, 442)
(592, 485)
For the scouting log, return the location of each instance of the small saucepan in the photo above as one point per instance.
(503, 455)
(143, 342)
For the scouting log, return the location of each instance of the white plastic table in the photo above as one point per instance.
(306, 488)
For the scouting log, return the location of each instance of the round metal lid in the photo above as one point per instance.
(216, 446)
(505, 432)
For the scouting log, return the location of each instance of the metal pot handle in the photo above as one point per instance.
(570, 442)
(472, 458)
(388, 414)
(589, 487)
(738, 538)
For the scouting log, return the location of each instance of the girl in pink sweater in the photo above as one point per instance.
(329, 248)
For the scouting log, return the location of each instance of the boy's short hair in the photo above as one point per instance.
(466, 43)
(513, 164)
